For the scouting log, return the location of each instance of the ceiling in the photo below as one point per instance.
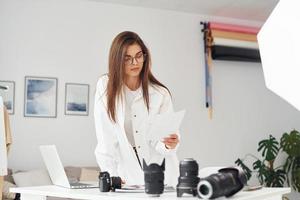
(257, 10)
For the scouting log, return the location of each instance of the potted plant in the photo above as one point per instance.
(276, 176)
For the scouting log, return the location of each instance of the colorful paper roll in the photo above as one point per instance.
(227, 42)
(235, 43)
(235, 54)
(233, 28)
(234, 35)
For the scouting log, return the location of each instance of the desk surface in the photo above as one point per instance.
(95, 194)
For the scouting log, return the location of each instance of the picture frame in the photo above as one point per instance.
(77, 99)
(8, 96)
(40, 98)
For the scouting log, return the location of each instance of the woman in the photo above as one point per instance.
(126, 99)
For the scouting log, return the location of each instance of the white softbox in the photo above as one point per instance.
(279, 45)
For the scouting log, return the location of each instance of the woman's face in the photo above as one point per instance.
(134, 60)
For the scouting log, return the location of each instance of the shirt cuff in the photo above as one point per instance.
(162, 149)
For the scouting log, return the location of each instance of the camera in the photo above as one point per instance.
(107, 183)
(227, 182)
(154, 178)
(188, 178)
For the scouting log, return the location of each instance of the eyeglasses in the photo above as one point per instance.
(139, 58)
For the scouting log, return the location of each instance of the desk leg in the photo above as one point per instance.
(32, 197)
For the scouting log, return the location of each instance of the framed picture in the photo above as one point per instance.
(77, 99)
(40, 97)
(8, 95)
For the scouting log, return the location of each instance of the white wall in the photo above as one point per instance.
(70, 39)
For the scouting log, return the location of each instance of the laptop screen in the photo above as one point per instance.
(54, 165)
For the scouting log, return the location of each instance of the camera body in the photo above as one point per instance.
(227, 182)
(107, 183)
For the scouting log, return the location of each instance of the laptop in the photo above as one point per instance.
(56, 170)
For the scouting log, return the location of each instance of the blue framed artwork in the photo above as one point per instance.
(8, 95)
(40, 97)
(76, 99)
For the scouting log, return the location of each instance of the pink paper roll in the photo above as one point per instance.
(233, 28)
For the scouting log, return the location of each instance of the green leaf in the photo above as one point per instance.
(296, 179)
(262, 171)
(295, 174)
(290, 143)
(246, 169)
(287, 167)
(269, 147)
(270, 175)
(275, 178)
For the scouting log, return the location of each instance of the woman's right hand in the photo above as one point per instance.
(171, 141)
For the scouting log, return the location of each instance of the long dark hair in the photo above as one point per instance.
(116, 72)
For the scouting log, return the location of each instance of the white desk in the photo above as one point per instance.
(41, 192)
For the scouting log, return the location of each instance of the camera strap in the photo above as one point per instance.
(134, 148)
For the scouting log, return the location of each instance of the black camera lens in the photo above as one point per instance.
(227, 182)
(116, 183)
(154, 178)
(107, 183)
(188, 179)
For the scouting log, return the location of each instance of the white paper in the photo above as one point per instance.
(140, 189)
(162, 125)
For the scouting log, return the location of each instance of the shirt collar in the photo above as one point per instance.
(140, 92)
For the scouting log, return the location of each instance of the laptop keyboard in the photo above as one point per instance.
(82, 185)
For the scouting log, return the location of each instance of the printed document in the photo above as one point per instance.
(162, 125)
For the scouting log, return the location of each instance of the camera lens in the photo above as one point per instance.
(188, 179)
(116, 183)
(188, 167)
(204, 189)
(227, 182)
(154, 178)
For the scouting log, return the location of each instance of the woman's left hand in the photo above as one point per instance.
(171, 141)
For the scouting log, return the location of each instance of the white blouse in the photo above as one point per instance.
(114, 152)
(129, 97)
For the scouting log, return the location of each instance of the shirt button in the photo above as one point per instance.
(136, 131)
(134, 115)
(139, 146)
